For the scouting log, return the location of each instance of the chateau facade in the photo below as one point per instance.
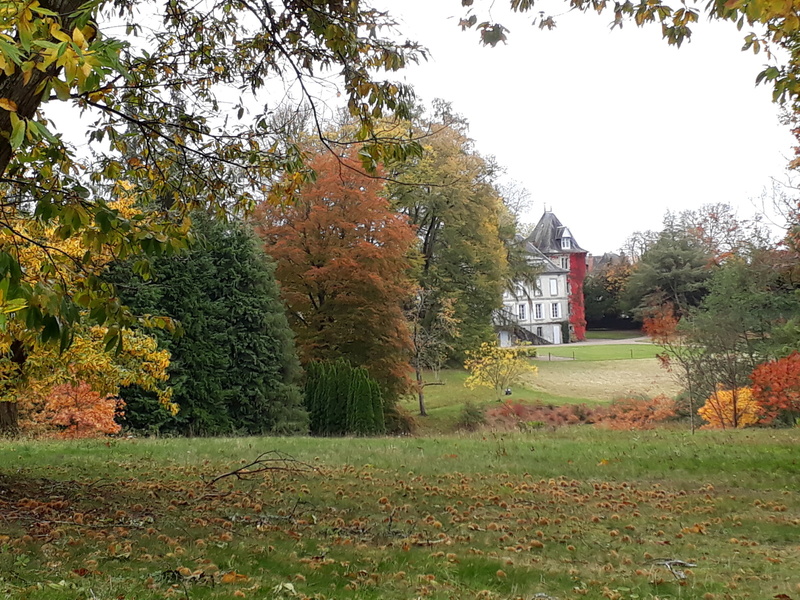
(549, 310)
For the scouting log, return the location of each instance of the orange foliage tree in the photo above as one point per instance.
(680, 357)
(776, 385)
(74, 393)
(75, 411)
(342, 259)
(660, 324)
(731, 409)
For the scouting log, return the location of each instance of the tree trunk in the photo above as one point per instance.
(421, 393)
(24, 95)
(9, 418)
(9, 413)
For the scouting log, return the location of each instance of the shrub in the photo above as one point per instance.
(497, 368)
(471, 417)
(731, 409)
(399, 421)
(637, 412)
(776, 385)
(515, 415)
(71, 411)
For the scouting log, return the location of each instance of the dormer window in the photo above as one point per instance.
(566, 243)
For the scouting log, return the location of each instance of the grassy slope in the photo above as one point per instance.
(576, 513)
(557, 382)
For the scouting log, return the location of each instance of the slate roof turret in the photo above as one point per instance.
(549, 232)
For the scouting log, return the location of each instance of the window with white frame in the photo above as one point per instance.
(566, 243)
(565, 262)
(538, 311)
(521, 312)
(554, 286)
(539, 331)
(555, 310)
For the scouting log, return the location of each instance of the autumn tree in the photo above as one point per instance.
(343, 264)
(432, 328)
(449, 197)
(178, 103)
(33, 361)
(497, 368)
(679, 355)
(731, 409)
(235, 367)
(637, 243)
(721, 231)
(776, 386)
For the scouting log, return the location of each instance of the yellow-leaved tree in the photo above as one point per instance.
(497, 368)
(102, 357)
(731, 409)
(75, 392)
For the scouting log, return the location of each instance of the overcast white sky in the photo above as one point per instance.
(609, 128)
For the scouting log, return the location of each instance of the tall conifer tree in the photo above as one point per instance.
(234, 369)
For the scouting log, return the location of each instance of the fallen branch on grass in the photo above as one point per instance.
(266, 462)
(671, 563)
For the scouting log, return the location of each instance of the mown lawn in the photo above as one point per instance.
(601, 352)
(613, 334)
(575, 513)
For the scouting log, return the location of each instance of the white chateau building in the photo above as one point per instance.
(549, 310)
(540, 309)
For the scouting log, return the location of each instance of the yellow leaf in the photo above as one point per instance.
(77, 37)
(9, 105)
(233, 577)
(57, 33)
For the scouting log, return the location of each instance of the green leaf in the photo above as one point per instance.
(112, 339)
(17, 131)
(10, 51)
(51, 329)
(66, 339)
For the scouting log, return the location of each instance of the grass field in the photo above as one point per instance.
(576, 513)
(444, 402)
(556, 382)
(613, 334)
(601, 352)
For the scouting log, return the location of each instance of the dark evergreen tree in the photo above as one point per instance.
(234, 369)
(360, 414)
(379, 419)
(674, 271)
(343, 399)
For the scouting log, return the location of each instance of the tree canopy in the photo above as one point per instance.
(234, 368)
(194, 89)
(344, 269)
(450, 198)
